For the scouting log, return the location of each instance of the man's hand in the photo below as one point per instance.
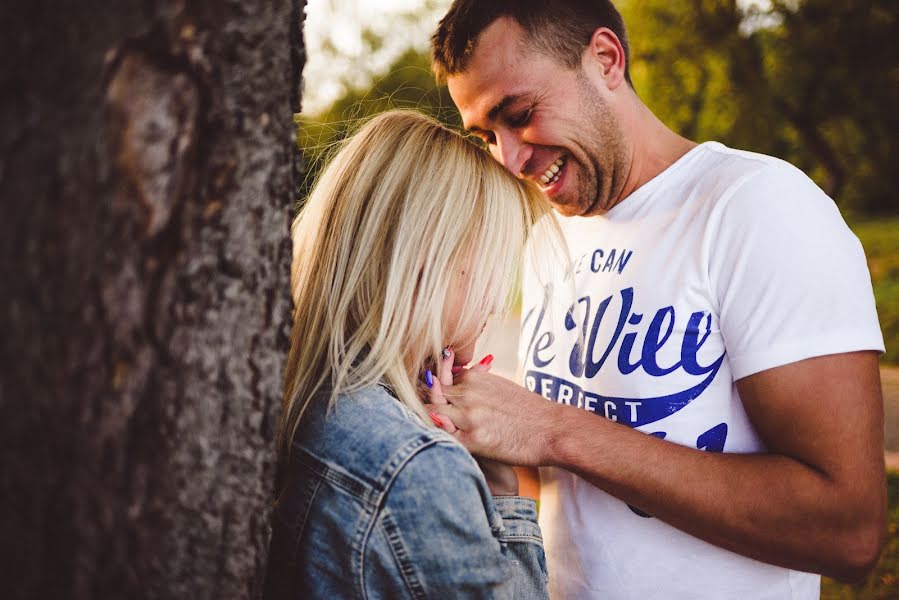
(501, 477)
(498, 419)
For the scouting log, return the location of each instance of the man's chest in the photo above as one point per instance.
(632, 334)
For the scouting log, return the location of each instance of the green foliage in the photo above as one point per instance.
(881, 242)
(883, 584)
(815, 82)
(408, 83)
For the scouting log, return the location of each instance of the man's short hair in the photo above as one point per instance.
(558, 28)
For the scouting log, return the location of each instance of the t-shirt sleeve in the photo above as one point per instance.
(789, 276)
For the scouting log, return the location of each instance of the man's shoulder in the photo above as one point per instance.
(730, 183)
(735, 168)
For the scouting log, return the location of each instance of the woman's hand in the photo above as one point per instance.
(501, 478)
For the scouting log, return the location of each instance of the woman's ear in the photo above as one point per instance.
(605, 57)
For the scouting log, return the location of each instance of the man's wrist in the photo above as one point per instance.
(554, 421)
(563, 426)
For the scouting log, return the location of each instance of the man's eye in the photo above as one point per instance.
(521, 118)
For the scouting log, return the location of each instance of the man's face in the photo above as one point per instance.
(543, 121)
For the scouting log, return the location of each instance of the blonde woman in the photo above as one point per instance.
(410, 239)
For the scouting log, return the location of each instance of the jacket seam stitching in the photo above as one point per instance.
(521, 538)
(344, 481)
(401, 555)
(397, 462)
(302, 519)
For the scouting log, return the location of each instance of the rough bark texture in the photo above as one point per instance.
(147, 171)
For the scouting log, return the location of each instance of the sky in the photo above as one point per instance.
(336, 53)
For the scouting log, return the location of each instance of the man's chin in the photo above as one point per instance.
(595, 209)
(576, 208)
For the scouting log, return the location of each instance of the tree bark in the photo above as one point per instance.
(147, 174)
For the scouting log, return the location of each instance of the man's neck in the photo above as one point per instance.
(654, 148)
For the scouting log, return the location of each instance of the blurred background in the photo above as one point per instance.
(815, 82)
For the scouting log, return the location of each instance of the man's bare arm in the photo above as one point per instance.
(815, 502)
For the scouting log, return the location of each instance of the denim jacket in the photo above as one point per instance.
(377, 505)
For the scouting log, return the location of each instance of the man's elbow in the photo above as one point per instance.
(859, 552)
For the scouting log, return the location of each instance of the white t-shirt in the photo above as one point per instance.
(726, 264)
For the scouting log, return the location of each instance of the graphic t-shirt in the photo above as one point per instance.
(726, 264)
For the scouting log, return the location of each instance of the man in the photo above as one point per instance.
(716, 311)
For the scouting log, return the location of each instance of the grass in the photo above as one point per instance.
(883, 584)
(881, 242)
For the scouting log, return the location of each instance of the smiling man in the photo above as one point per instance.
(710, 346)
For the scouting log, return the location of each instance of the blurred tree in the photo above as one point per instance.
(812, 81)
(837, 81)
(146, 176)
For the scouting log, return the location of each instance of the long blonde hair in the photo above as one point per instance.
(403, 208)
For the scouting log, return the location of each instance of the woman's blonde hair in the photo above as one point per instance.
(400, 212)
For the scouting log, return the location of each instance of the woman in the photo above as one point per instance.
(410, 239)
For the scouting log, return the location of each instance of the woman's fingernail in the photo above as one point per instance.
(429, 379)
(487, 360)
(446, 352)
(436, 420)
(457, 369)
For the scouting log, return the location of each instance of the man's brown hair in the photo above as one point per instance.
(558, 28)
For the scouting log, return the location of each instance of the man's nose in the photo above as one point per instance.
(510, 151)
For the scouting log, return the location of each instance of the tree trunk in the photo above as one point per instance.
(147, 174)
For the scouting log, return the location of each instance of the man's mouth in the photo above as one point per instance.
(552, 175)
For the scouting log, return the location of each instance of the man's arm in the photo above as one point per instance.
(815, 502)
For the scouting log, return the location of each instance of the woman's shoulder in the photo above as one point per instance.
(444, 468)
(375, 412)
(369, 434)
(441, 506)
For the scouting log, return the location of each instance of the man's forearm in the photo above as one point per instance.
(765, 506)
(815, 502)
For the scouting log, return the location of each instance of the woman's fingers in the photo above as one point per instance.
(451, 418)
(443, 422)
(436, 389)
(438, 399)
(484, 365)
(445, 366)
(443, 414)
(435, 384)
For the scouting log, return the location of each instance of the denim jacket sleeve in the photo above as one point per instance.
(449, 538)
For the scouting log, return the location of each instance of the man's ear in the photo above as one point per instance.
(605, 56)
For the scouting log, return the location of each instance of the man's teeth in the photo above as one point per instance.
(552, 173)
